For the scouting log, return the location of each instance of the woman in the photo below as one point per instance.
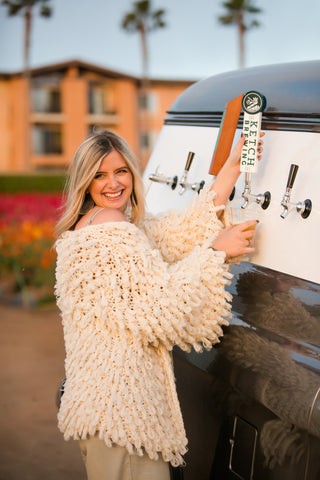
(131, 286)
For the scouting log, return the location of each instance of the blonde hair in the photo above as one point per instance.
(82, 170)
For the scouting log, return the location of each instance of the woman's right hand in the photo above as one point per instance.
(237, 239)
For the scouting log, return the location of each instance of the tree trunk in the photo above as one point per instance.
(27, 31)
(27, 34)
(143, 118)
(145, 58)
(241, 32)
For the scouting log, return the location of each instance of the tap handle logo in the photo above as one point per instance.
(253, 102)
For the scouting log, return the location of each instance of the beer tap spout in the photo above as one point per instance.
(159, 177)
(262, 199)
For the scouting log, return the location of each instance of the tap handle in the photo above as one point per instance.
(292, 175)
(189, 161)
(226, 133)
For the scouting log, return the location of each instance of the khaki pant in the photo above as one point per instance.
(115, 463)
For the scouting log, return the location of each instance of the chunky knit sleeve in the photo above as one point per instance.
(111, 273)
(175, 234)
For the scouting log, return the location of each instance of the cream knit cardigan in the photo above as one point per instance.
(127, 295)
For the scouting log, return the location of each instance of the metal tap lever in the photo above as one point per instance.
(189, 161)
(161, 178)
(183, 182)
(262, 199)
(304, 208)
(292, 176)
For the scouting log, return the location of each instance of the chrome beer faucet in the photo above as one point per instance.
(159, 177)
(304, 208)
(262, 199)
(184, 185)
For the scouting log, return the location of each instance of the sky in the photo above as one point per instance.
(192, 46)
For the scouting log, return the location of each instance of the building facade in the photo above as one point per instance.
(44, 118)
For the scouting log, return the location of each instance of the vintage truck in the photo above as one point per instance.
(251, 405)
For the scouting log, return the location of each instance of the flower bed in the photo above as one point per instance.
(27, 259)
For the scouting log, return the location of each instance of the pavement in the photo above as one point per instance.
(32, 366)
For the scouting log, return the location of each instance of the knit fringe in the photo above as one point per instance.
(123, 309)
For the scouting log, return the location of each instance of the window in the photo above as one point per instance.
(46, 95)
(101, 98)
(148, 101)
(147, 140)
(47, 139)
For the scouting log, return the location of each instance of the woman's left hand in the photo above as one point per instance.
(237, 240)
(230, 172)
(235, 155)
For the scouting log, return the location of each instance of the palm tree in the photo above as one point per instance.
(237, 13)
(26, 6)
(143, 19)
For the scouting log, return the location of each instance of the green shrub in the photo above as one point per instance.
(32, 183)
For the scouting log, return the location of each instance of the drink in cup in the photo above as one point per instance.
(237, 218)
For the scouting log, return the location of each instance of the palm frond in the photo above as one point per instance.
(226, 19)
(45, 11)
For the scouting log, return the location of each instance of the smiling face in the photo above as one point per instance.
(113, 183)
